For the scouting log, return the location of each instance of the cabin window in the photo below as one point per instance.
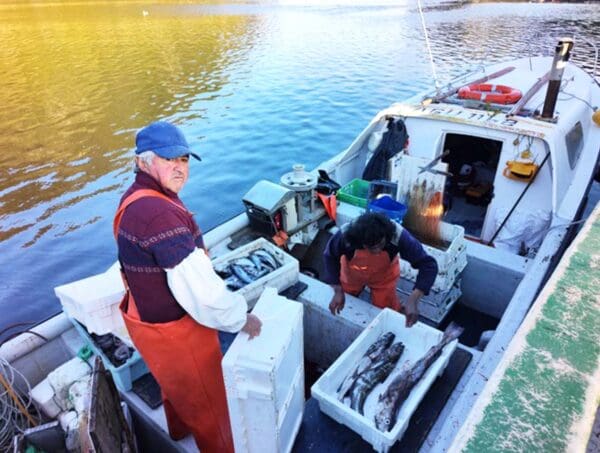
(574, 142)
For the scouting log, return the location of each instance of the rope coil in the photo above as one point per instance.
(17, 411)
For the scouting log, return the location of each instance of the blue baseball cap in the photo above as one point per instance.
(165, 139)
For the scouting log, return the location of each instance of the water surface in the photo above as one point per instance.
(256, 87)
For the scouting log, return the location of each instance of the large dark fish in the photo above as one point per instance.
(380, 345)
(377, 373)
(394, 396)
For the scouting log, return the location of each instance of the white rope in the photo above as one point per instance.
(428, 47)
(12, 421)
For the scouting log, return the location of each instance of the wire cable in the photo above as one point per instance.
(435, 79)
(17, 411)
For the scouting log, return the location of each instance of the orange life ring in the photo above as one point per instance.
(486, 92)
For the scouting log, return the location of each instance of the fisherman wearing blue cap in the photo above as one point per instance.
(175, 302)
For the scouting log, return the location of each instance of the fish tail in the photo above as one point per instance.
(452, 332)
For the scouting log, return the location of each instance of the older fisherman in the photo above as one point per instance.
(175, 301)
(365, 253)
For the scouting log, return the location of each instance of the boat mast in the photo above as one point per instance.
(561, 56)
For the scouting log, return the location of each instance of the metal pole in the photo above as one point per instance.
(561, 56)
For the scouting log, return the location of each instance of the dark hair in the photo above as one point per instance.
(369, 229)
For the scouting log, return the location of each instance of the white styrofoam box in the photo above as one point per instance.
(52, 393)
(435, 305)
(43, 396)
(264, 378)
(94, 301)
(62, 377)
(417, 340)
(281, 278)
(451, 261)
(347, 212)
(68, 420)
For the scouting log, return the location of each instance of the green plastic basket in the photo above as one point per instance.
(355, 192)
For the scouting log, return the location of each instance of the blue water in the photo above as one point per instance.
(256, 87)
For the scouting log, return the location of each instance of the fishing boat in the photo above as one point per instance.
(503, 156)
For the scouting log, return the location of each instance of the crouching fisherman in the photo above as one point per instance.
(175, 302)
(365, 253)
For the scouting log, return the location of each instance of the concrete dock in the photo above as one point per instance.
(544, 395)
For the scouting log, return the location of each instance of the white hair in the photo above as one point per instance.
(146, 156)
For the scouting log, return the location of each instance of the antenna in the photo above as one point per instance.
(437, 86)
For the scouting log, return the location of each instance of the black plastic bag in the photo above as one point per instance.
(326, 185)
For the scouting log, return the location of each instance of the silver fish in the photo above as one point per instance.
(241, 273)
(244, 262)
(394, 396)
(255, 260)
(233, 283)
(267, 258)
(370, 356)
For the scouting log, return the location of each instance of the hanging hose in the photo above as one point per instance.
(17, 412)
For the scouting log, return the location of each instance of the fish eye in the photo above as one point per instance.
(386, 421)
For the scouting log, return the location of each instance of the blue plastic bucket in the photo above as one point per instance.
(388, 206)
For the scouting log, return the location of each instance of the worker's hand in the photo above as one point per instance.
(411, 312)
(252, 326)
(339, 299)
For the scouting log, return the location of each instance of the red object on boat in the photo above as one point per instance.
(486, 92)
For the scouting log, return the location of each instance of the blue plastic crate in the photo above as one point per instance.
(123, 375)
(388, 206)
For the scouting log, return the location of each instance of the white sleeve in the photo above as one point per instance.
(203, 294)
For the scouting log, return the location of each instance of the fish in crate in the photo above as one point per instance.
(247, 269)
(391, 400)
(375, 366)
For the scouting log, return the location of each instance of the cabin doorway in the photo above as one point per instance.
(473, 162)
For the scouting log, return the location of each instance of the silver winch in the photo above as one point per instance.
(303, 184)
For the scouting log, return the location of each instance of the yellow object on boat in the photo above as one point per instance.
(596, 117)
(520, 171)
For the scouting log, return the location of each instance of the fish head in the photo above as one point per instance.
(383, 420)
(395, 351)
(381, 343)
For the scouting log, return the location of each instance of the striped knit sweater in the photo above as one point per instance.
(155, 235)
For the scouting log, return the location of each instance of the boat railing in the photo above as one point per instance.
(465, 79)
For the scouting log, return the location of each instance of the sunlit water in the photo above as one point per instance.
(256, 87)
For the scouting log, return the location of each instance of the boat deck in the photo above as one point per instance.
(319, 432)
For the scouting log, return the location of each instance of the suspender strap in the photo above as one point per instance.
(134, 197)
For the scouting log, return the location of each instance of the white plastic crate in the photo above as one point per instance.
(434, 306)
(264, 378)
(451, 261)
(94, 301)
(281, 278)
(417, 340)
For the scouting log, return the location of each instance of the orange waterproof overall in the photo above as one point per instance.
(375, 271)
(185, 358)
